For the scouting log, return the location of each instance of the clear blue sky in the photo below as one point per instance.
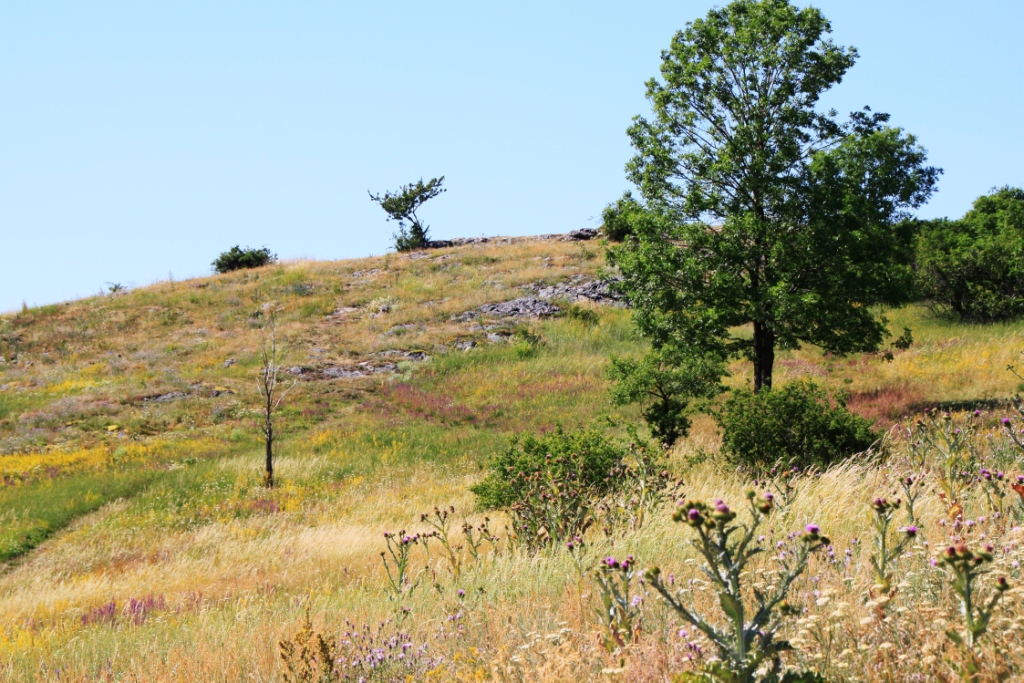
(139, 139)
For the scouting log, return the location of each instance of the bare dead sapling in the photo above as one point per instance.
(268, 385)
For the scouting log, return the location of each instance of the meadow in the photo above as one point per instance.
(139, 544)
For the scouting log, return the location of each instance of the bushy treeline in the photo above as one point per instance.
(971, 267)
(974, 266)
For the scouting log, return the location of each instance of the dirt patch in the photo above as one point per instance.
(885, 407)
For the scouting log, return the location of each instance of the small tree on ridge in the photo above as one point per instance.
(402, 205)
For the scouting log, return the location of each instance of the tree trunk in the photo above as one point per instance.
(764, 356)
(268, 477)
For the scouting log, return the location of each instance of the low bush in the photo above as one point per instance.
(586, 452)
(237, 258)
(975, 266)
(796, 425)
(617, 226)
(550, 484)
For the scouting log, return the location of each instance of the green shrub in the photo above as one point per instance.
(237, 258)
(526, 344)
(663, 384)
(795, 425)
(587, 452)
(550, 485)
(617, 226)
(586, 316)
(975, 266)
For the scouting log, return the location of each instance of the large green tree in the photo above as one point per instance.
(767, 222)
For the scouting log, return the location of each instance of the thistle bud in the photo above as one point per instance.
(1002, 584)
(652, 574)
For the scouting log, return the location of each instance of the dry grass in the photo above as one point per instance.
(221, 569)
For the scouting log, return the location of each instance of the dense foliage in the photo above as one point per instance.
(616, 218)
(760, 209)
(794, 425)
(974, 266)
(588, 455)
(402, 205)
(237, 258)
(663, 383)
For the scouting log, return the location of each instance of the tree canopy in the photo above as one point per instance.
(760, 210)
(402, 205)
(975, 265)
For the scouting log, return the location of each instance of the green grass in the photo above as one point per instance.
(35, 511)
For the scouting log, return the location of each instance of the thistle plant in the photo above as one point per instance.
(782, 483)
(441, 523)
(993, 484)
(555, 506)
(476, 537)
(955, 448)
(620, 612)
(399, 546)
(642, 486)
(747, 646)
(912, 487)
(887, 551)
(966, 567)
(1018, 488)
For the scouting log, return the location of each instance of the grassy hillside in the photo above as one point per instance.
(140, 544)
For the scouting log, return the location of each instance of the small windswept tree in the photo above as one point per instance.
(268, 386)
(402, 205)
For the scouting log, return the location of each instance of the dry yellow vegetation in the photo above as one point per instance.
(140, 545)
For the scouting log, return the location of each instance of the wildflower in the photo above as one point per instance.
(722, 512)
(910, 531)
(460, 592)
(1002, 584)
(812, 529)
